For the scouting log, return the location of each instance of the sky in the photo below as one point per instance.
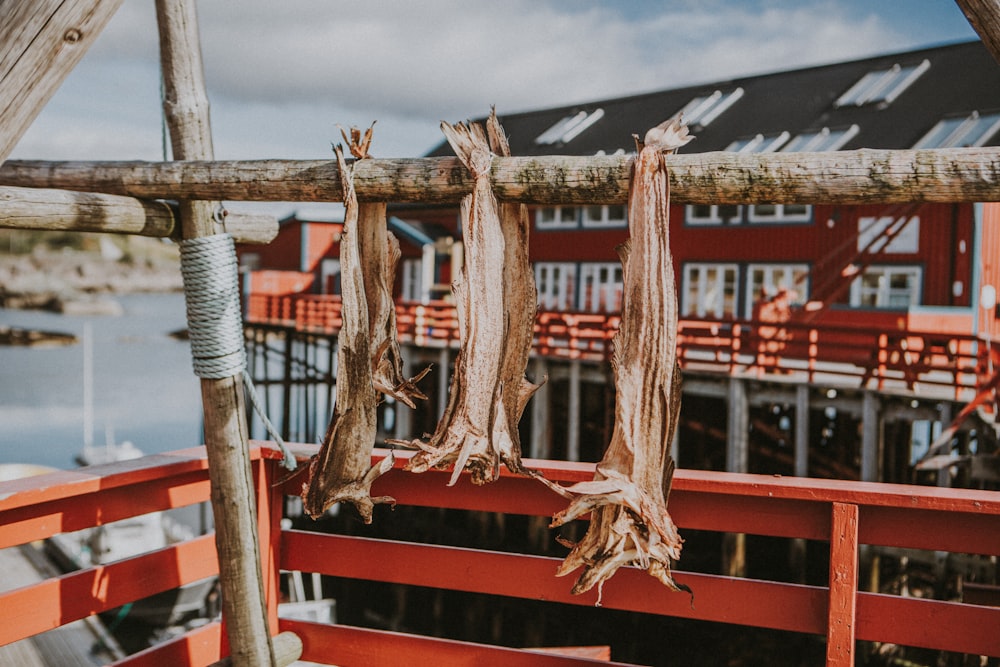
(282, 76)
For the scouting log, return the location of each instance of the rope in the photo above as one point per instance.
(215, 323)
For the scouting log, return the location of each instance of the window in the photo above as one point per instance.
(888, 234)
(709, 290)
(412, 282)
(601, 287)
(569, 127)
(556, 284)
(887, 287)
(605, 216)
(767, 279)
(962, 131)
(882, 86)
(780, 213)
(759, 143)
(821, 140)
(704, 109)
(712, 214)
(556, 217)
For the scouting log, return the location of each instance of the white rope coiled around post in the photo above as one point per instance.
(215, 321)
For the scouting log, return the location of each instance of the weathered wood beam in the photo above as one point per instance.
(838, 177)
(226, 435)
(984, 17)
(64, 210)
(41, 41)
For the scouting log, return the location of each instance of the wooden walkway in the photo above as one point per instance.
(83, 643)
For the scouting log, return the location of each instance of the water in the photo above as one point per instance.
(143, 387)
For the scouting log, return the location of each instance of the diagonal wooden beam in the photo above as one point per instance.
(984, 16)
(41, 41)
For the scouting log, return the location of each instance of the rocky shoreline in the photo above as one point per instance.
(81, 282)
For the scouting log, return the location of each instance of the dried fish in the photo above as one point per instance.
(342, 470)
(627, 498)
(520, 307)
(478, 429)
(380, 250)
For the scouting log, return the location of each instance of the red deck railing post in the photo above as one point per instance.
(840, 633)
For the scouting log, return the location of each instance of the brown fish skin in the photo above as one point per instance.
(380, 250)
(464, 435)
(342, 470)
(627, 498)
(520, 307)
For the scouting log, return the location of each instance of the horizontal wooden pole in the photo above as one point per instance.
(838, 177)
(64, 210)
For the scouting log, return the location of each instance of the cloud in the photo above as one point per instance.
(281, 76)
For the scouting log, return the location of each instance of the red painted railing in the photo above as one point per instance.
(842, 514)
(949, 364)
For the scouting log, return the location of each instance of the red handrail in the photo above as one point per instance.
(949, 363)
(844, 514)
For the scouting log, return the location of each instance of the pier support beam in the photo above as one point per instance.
(871, 437)
(573, 413)
(802, 430)
(540, 445)
(737, 460)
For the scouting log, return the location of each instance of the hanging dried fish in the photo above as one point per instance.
(520, 306)
(465, 434)
(380, 250)
(629, 523)
(342, 470)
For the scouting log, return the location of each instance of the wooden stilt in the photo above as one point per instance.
(230, 474)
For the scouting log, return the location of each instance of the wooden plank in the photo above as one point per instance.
(200, 646)
(841, 628)
(848, 177)
(345, 645)
(60, 210)
(39, 607)
(984, 17)
(41, 41)
(750, 602)
(935, 624)
(226, 437)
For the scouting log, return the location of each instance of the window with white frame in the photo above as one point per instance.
(612, 215)
(709, 290)
(887, 234)
(712, 214)
(412, 280)
(973, 130)
(887, 287)
(821, 140)
(882, 86)
(556, 285)
(703, 109)
(780, 213)
(556, 217)
(600, 287)
(765, 280)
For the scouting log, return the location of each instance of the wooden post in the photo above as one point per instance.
(871, 437)
(737, 460)
(226, 438)
(540, 446)
(842, 612)
(573, 412)
(984, 17)
(41, 41)
(802, 430)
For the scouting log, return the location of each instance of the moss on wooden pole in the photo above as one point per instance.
(864, 176)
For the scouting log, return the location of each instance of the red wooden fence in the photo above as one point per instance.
(842, 514)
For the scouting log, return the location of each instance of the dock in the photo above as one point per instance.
(83, 643)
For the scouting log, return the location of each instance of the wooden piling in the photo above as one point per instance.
(236, 537)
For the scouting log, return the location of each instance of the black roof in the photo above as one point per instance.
(958, 79)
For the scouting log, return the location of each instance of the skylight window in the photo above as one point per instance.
(821, 140)
(759, 143)
(971, 130)
(704, 109)
(568, 128)
(882, 86)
